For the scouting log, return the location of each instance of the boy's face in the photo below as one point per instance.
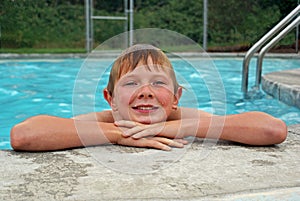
(144, 96)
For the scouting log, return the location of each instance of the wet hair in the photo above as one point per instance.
(133, 56)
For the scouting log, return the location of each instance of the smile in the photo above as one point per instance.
(143, 108)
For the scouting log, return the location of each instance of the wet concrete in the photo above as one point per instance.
(204, 170)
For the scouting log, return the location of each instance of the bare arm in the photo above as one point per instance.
(45, 133)
(54, 133)
(253, 128)
(103, 116)
(106, 116)
(188, 113)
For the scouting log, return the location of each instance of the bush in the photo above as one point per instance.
(61, 24)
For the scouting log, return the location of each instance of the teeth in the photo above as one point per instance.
(145, 108)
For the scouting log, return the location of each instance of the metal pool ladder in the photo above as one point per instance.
(262, 41)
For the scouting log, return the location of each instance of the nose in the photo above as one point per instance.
(145, 92)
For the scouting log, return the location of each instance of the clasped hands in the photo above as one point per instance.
(163, 136)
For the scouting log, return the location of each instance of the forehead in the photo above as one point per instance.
(131, 61)
(146, 71)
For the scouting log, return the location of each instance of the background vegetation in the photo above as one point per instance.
(59, 25)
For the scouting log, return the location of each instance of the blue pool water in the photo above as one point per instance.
(32, 87)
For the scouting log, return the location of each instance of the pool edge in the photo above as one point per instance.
(229, 172)
(283, 85)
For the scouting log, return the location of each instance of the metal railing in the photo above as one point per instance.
(262, 41)
(90, 17)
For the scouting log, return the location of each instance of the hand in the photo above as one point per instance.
(170, 129)
(152, 142)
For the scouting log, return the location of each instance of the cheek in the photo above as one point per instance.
(165, 97)
(124, 96)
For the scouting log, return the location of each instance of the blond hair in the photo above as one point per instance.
(135, 55)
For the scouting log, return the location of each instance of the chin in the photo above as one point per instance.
(150, 121)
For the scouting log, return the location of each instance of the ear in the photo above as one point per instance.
(109, 99)
(107, 96)
(177, 96)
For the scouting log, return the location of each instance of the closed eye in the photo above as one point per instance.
(158, 83)
(130, 83)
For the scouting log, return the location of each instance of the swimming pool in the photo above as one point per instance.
(32, 87)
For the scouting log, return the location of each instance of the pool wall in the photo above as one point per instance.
(283, 85)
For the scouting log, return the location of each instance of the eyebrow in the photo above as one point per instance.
(135, 74)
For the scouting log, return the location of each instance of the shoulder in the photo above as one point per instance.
(103, 116)
(188, 113)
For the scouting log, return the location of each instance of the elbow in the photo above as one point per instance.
(18, 137)
(277, 132)
(21, 135)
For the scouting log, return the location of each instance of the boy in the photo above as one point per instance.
(143, 93)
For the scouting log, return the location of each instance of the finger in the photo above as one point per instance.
(133, 131)
(128, 124)
(182, 141)
(144, 142)
(161, 146)
(147, 131)
(150, 143)
(169, 142)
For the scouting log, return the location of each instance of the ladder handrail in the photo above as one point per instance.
(260, 43)
(89, 17)
(267, 47)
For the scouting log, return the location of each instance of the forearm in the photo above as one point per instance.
(253, 128)
(103, 116)
(42, 133)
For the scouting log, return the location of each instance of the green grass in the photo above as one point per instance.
(42, 51)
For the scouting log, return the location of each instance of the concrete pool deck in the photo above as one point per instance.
(202, 171)
(283, 85)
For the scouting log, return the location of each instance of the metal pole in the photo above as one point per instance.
(297, 36)
(131, 23)
(260, 43)
(91, 25)
(205, 24)
(109, 18)
(297, 39)
(87, 26)
(126, 23)
(267, 47)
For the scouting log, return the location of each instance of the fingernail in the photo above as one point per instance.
(168, 149)
(135, 137)
(125, 134)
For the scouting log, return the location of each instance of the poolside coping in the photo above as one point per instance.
(284, 85)
(227, 171)
(112, 54)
